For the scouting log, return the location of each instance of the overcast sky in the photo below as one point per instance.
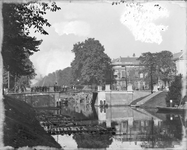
(121, 29)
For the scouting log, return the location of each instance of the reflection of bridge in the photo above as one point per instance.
(69, 126)
(78, 129)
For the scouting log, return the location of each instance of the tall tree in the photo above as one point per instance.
(63, 77)
(91, 65)
(175, 91)
(166, 66)
(17, 45)
(158, 66)
(148, 60)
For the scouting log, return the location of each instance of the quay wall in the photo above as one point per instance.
(118, 98)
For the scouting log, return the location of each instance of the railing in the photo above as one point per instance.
(50, 89)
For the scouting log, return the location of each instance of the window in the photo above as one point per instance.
(141, 75)
(123, 74)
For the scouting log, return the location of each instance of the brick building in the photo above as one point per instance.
(127, 70)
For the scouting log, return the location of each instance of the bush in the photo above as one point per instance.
(175, 91)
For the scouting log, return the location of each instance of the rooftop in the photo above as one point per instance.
(178, 55)
(126, 60)
(134, 61)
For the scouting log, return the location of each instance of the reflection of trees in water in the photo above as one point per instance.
(87, 140)
(174, 126)
(79, 115)
(80, 110)
(163, 136)
(40, 100)
(96, 140)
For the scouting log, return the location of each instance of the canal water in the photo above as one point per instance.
(82, 126)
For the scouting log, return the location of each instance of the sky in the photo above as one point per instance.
(124, 29)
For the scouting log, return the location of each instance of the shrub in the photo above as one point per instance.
(174, 92)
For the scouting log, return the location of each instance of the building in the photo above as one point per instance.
(127, 70)
(180, 61)
(181, 64)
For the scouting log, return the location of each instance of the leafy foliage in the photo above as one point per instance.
(18, 46)
(166, 66)
(91, 65)
(158, 65)
(175, 91)
(63, 77)
(22, 83)
(148, 60)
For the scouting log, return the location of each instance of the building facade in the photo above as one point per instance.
(127, 70)
(181, 64)
(180, 61)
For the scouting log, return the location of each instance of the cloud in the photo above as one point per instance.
(70, 15)
(139, 19)
(79, 28)
(49, 61)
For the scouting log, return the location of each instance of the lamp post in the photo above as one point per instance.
(171, 103)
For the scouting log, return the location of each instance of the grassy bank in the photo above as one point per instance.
(21, 128)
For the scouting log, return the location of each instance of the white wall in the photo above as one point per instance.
(181, 67)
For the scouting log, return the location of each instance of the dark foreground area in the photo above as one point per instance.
(21, 128)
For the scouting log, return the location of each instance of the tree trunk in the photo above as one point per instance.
(151, 80)
(1, 79)
(15, 83)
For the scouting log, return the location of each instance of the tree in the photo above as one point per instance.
(174, 92)
(148, 60)
(63, 77)
(17, 45)
(22, 83)
(158, 66)
(166, 66)
(91, 65)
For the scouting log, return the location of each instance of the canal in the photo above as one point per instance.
(76, 126)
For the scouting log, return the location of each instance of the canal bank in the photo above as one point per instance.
(21, 128)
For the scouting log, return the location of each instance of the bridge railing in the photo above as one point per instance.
(52, 89)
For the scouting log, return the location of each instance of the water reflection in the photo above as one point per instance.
(135, 125)
(134, 128)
